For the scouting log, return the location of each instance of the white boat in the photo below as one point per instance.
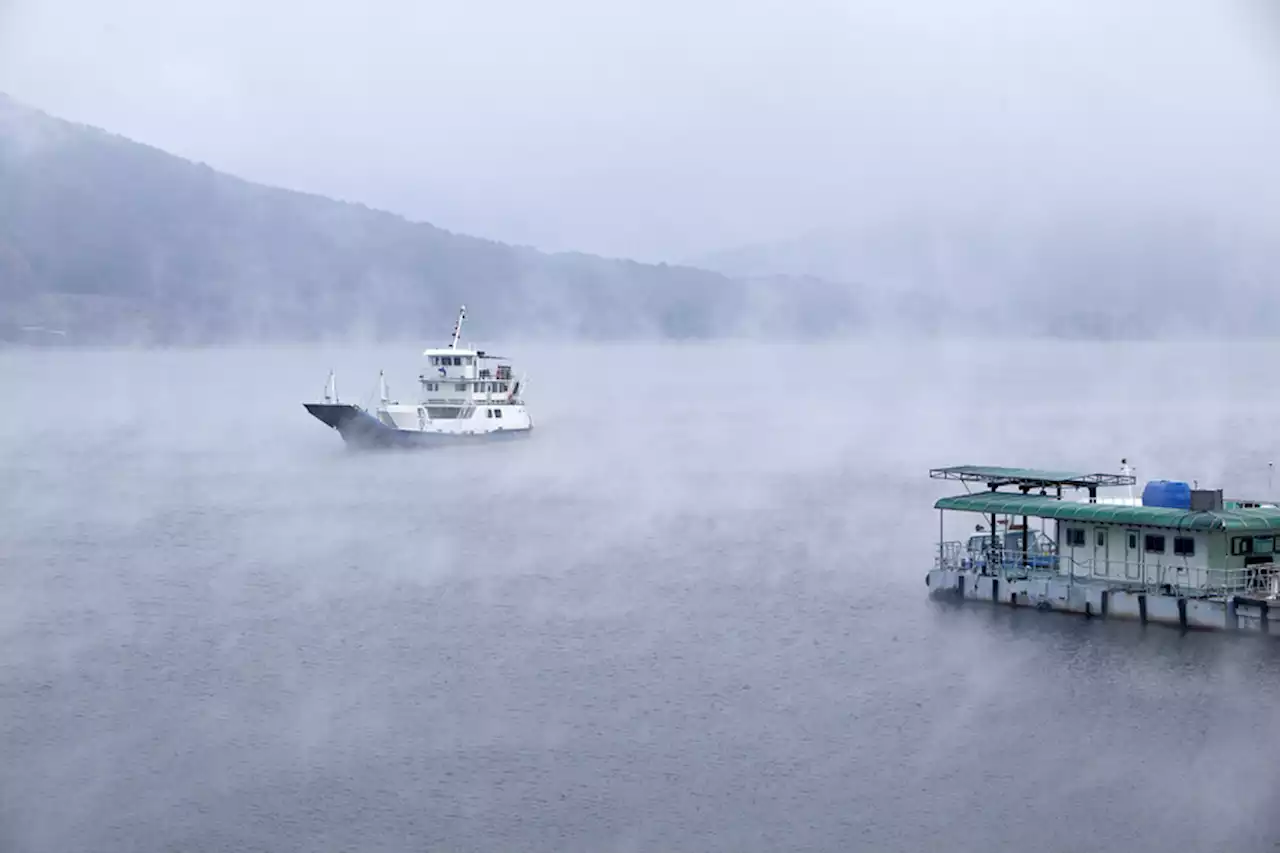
(465, 394)
(1178, 555)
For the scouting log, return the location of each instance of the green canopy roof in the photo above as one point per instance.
(1010, 503)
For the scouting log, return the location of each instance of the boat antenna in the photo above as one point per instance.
(331, 388)
(1128, 472)
(382, 386)
(457, 327)
(1271, 469)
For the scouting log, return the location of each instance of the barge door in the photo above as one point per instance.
(1101, 559)
(1133, 555)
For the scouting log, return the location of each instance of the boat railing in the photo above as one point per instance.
(949, 554)
(1170, 577)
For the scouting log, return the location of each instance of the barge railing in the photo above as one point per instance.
(1169, 577)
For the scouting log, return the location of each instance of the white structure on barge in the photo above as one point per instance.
(465, 394)
(1179, 556)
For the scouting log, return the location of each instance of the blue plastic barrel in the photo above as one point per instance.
(1174, 494)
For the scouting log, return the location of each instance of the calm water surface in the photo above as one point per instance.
(688, 614)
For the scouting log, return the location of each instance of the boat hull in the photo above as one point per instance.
(1102, 600)
(361, 429)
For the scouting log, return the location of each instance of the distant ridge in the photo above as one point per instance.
(1117, 272)
(105, 239)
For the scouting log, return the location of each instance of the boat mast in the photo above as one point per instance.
(457, 327)
(382, 387)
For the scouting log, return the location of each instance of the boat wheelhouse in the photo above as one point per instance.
(1177, 555)
(464, 393)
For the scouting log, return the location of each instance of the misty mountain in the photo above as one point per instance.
(106, 239)
(1109, 273)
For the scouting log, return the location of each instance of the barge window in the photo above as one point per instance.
(1241, 545)
(1153, 544)
(1075, 537)
(1184, 546)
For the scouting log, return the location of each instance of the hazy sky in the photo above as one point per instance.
(664, 129)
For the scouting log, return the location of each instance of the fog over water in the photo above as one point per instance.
(688, 613)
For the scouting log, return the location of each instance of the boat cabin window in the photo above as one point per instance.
(1184, 546)
(1075, 537)
(1133, 541)
(1153, 544)
(461, 386)
(1102, 539)
(1243, 545)
(488, 413)
(431, 386)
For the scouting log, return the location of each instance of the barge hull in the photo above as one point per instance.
(1091, 598)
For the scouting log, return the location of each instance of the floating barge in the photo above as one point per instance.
(1177, 555)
